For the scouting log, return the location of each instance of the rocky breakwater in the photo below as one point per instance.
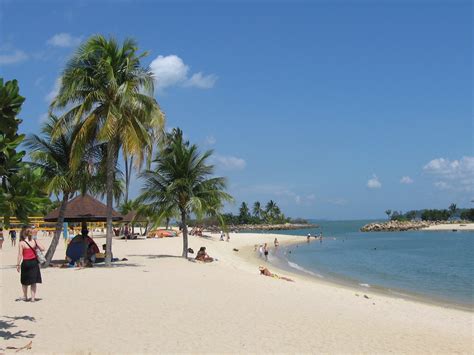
(263, 227)
(396, 226)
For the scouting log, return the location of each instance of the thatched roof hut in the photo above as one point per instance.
(83, 208)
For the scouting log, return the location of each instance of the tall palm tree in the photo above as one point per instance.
(182, 182)
(106, 91)
(54, 156)
(453, 208)
(257, 209)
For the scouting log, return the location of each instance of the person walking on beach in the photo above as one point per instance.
(308, 237)
(1, 238)
(13, 237)
(265, 251)
(28, 264)
(276, 243)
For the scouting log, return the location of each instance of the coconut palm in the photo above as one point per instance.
(182, 182)
(257, 210)
(54, 156)
(106, 91)
(453, 208)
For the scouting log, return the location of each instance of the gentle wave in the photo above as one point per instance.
(364, 285)
(300, 268)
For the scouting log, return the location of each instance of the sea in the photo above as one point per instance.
(433, 266)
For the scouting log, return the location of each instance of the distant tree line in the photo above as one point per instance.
(268, 214)
(433, 214)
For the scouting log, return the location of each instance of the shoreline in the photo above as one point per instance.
(162, 296)
(405, 226)
(280, 265)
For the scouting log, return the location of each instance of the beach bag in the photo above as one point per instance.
(39, 254)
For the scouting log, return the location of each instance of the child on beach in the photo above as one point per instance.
(265, 251)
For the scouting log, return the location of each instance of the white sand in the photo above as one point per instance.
(451, 226)
(156, 302)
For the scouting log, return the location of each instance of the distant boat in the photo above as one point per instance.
(454, 230)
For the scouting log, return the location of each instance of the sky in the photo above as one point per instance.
(335, 110)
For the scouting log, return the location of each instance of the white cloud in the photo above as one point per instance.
(13, 57)
(442, 185)
(171, 70)
(228, 162)
(278, 192)
(406, 180)
(338, 201)
(54, 91)
(64, 40)
(455, 174)
(210, 140)
(374, 183)
(198, 80)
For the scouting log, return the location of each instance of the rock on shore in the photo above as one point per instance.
(400, 226)
(263, 227)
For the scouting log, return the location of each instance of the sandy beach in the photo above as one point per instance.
(159, 302)
(451, 226)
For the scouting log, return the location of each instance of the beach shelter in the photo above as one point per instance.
(82, 208)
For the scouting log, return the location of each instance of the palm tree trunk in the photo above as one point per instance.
(57, 233)
(110, 201)
(185, 234)
(128, 174)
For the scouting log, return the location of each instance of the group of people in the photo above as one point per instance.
(224, 235)
(320, 237)
(263, 250)
(197, 231)
(12, 234)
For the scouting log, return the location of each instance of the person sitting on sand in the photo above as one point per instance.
(202, 256)
(264, 271)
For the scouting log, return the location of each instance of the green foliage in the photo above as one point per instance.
(244, 214)
(388, 213)
(21, 186)
(468, 214)
(435, 215)
(10, 106)
(26, 195)
(182, 183)
(453, 208)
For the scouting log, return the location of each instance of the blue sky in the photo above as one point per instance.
(334, 110)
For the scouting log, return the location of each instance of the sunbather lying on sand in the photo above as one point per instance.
(202, 256)
(266, 272)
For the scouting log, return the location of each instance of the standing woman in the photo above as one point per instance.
(30, 270)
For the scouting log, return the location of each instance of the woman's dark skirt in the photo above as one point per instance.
(30, 272)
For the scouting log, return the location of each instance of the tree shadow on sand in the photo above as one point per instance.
(8, 323)
(159, 256)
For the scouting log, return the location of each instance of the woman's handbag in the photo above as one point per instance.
(39, 254)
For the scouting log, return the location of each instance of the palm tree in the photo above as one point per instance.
(257, 209)
(388, 213)
(54, 156)
(453, 208)
(106, 91)
(181, 183)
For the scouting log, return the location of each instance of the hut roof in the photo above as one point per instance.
(133, 217)
(83, 208)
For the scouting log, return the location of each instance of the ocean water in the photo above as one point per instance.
(433, 265)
